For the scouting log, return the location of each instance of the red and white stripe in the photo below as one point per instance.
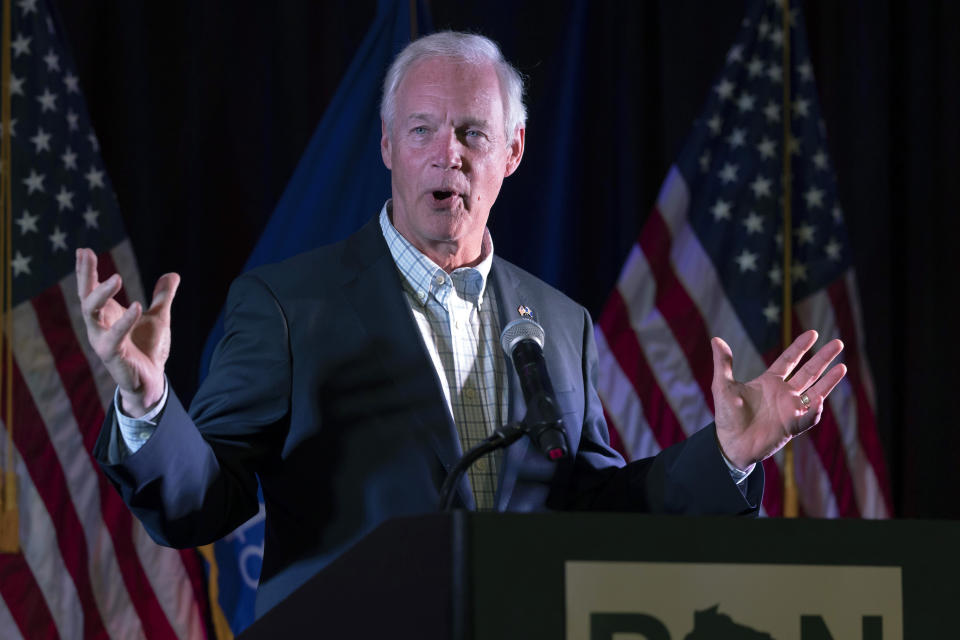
(87, 568)
(656, 365)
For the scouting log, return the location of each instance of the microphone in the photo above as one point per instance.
(522, 341)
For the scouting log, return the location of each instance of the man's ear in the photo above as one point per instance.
(516, 151)
(385, 147)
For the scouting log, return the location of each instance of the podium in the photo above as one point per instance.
(478, 576)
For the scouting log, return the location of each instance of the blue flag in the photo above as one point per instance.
(339, 184)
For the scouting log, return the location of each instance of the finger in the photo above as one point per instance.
(827, 383)
(93, 303)
(814, 368)
(163, 293)
(722, 363)
(808, 417)
(86, 272)
(119, 330)
(809, 414)
(783, 365)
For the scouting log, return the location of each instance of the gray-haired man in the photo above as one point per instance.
(351, 377)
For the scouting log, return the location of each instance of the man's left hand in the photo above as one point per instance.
(756, 419)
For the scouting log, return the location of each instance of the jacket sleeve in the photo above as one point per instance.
(194, 480)
(689, 477)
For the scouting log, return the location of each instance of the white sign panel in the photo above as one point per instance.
(689, 601)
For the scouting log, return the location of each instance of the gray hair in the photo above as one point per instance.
(471, 49)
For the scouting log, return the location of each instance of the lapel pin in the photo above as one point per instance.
(525, 312)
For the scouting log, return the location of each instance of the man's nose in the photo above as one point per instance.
(449, 153)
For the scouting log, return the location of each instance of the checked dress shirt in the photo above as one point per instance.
(457, 317)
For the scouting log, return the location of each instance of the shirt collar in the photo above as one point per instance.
(424, 277)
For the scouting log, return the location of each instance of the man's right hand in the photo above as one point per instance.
(133, 344)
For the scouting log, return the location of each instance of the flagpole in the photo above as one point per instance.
(790, 495)
(9, 515)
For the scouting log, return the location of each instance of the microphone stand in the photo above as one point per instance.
(502, 437)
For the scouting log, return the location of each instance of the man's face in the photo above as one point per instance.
(448, 156)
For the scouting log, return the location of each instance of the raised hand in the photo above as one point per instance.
(756, 419)
(133, 344)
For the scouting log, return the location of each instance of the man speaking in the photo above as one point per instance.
(351, 378)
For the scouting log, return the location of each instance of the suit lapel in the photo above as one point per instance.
(372, 287)
(511, 295)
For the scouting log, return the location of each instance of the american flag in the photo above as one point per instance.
(709, 262)
(85, 568)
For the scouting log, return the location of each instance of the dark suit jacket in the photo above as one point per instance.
(323, 389)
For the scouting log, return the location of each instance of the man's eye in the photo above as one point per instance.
(419, 130)
(473, 133)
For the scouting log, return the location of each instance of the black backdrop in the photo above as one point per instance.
(203, 109)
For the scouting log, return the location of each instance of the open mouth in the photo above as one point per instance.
(440, 196)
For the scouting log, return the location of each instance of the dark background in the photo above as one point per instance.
(203, 109)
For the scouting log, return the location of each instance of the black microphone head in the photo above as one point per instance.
(519, 330)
